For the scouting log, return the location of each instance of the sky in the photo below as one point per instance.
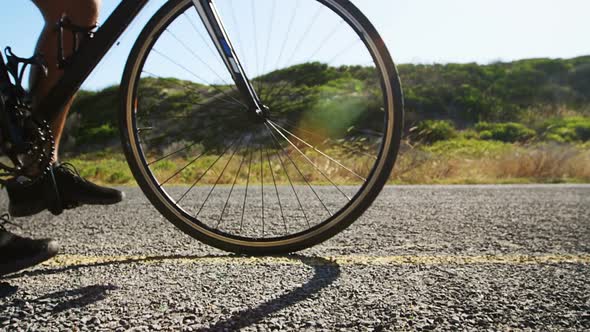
(415, 31)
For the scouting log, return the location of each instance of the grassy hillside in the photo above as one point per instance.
(528, 92)
(524, 121)
(501, 92)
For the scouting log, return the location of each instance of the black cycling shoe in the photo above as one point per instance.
(29, 199)
(17, 253)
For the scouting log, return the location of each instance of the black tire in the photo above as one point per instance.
(379, 175)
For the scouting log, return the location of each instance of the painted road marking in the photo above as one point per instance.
(72, 260)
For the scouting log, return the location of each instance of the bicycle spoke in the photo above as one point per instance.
(272, 16)
(166, 117)
(293, 188)
(173, 153)
(299, 171)
(288, 177)
(255, 38)
(320, 152)
(183, 135)
(215, 54)
(203, 175)
(305, 34)
(278, 94)
(276, 191)
(364, 132)
(262, 188)
(325, 40)
(233, 186)
(194, 94)
(237, 31)
(194, 54)
(344, 50)
(288, 33)
(293, 127)
(219, 178)
(246, 193)
(272, 93)
(182, 169)
(310, 161)
(237, 102)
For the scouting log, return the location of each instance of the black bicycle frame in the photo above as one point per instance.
(3, 73)
(92, 50)
(222, 42)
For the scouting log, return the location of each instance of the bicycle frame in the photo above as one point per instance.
(91, 52)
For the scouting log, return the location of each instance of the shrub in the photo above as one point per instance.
(572, 129)
(486, 135)
(583, 130)
(96, 135)
(431, 131)
(469, 134)
(509, 132)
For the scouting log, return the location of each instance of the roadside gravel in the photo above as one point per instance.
(182, 285)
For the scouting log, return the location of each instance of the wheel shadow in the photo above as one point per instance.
(325, 273)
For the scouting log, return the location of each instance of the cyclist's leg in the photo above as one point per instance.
(80, 12)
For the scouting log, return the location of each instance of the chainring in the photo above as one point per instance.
(27, 141)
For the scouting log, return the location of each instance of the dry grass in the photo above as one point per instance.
(460, 162)
(536, 164)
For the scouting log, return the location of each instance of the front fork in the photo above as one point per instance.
(212, 21)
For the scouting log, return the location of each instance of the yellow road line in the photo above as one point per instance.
(70, 260)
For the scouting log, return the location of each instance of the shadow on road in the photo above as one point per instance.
(56, 302)
(7, 289)
(325, 273)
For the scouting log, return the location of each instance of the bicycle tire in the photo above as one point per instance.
(376, 179)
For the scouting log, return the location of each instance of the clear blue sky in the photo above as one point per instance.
(416, 31)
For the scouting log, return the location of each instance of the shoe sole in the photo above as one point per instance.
(27, 210)
(30, 262)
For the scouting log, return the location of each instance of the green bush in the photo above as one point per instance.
(469, 134)
(486, 135)
(431, 131)
(573, 129)
(97, 135)
(508, 132)
(467, 148)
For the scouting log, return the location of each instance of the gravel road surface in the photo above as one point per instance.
(422, 258)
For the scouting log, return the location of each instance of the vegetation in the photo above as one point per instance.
(431, 131)
(509, 132)
(504, 122)
(445, 162)
(562, 130)
(500, 92)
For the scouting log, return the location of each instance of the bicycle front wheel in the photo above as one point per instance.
(309, 170)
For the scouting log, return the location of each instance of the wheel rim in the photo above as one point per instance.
(286, 203)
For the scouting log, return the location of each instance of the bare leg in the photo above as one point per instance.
(27, 200)
(80, 12)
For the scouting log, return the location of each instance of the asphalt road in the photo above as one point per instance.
(433, 257)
